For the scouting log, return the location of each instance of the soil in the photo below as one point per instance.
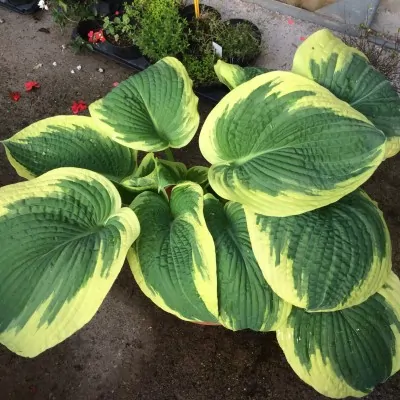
(122, 41)
(132, 350)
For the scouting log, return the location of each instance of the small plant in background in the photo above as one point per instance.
(78, 45)
(239, 42)
(161, 30)
(201, 69)
(65, 11)
(96, 36)
(386, 60)
(119, 29)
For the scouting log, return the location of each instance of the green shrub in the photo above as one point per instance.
(161, 29)
(238, 41)
(120, 30)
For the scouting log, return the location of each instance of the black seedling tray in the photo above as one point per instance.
(22, 7)
(212, 93)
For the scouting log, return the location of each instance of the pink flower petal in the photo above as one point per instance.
(290, 21)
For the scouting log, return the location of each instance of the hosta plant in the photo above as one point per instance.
(274, 235)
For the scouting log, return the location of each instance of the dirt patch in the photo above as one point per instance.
(132, 350)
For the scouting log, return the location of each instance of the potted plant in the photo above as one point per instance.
(65, 11)
(240, 40)
(119, 31)
(194, 33)
(161, 30)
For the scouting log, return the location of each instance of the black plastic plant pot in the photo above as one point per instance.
(21, 6)
(125, 52)
(188, 12)
(85, 26)
(245, 60)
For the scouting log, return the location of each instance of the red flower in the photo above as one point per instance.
(78, 106)
(15, 96)
(116, 12)
(97, 36)
(303, 38)
(115, 84)
(31, 85)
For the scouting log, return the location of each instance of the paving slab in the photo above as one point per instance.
(387, 18)
(343, 15)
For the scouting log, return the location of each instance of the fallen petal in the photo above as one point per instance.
(31, 85)
(15, 96)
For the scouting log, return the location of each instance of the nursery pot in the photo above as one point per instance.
(189, 13)
(245, 60)
(85, 26)
(18, 2)
(130, 52)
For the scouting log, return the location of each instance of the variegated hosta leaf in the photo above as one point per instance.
(63, 240)
(68, 141)
(232, 75)
(328, 259)
(152, 110)
(246, 301)
(155, 174)
(197, 174)
(347, 73)
(283, 145)
(349, 352)
(173, 261)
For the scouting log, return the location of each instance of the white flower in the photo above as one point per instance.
(54, 64)
(79, 67)
(42, 4)
(72, 71)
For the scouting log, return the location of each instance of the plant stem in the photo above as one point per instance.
(169, 154)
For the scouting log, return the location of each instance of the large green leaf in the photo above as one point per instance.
(68, 141)
(349, 352)
(152, 110)
(328, 259)
(173, 261)
(198, 174)
(283, 145)
(347, 73)
(155, 174)
(63, 240)
(232, 75)
(246, 301)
